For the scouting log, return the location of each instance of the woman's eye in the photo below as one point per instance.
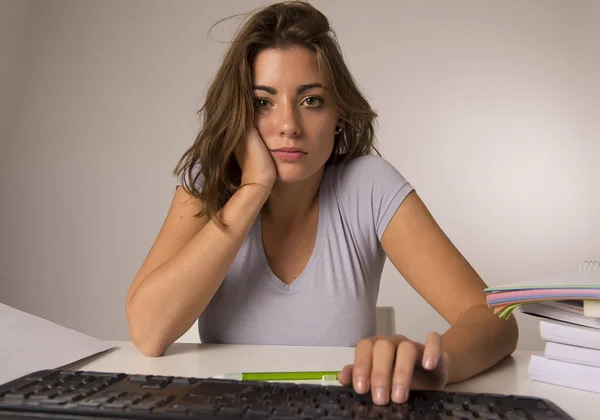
(313, 101)
(261, 103)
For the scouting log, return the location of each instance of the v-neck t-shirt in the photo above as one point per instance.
(333, 301)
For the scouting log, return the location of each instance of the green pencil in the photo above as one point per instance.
(281, 376)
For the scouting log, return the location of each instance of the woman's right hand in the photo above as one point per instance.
(255, 161)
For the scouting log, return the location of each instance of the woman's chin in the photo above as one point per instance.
(289, 179)
(291, 175)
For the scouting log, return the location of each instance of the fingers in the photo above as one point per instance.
(388, 365)
(361, 371)
(407, 355)
(373, 367)
(432, 352)
(345, 375)
(384, 353)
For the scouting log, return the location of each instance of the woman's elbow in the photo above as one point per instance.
(149, 349)
(147, 342)
(148, 345)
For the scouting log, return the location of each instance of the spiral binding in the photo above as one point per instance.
(589, 266)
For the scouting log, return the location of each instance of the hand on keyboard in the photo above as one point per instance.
(391, 366)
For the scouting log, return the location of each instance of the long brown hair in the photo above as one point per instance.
(228, 110)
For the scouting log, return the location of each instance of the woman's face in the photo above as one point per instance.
(295, 114)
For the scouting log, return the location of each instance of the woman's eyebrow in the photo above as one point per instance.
(300, 89)
(303, 88)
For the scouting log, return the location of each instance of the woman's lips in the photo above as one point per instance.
(289, 154)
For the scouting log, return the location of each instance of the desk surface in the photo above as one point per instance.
(203, 360)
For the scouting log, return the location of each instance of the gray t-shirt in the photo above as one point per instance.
(333, 301)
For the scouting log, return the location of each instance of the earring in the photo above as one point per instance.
(338, 129)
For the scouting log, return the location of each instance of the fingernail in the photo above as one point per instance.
(379, 396)
(361, 385)
(398, 393)
(428, 363)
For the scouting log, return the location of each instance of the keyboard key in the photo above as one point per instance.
(489, 416)
(230, 411)
(285, 411)
(105, 375)
(147, 404)
(54, 401)
(183, 381)
(204, 409)
(179, 408)
(256, 416)
(115, 405)
(461, 399)
(155, 383)
(366, 415)
(313, 412)
(453, 407)
(18, 395)
(46, 395)
(139, 379)
(89, 404)
(258, 412)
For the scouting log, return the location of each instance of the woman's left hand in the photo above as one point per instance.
(391, 366)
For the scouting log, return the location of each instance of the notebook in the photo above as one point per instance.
(571, 375)
(571, 311)
(574, 335)
(572, 354)
(581, 286)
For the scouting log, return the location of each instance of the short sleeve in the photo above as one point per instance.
(371, 190)
(195, 172)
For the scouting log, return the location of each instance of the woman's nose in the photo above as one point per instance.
(289, 121)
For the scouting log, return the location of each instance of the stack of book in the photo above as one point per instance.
(568, 307)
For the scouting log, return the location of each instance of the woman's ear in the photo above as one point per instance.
(339, 126)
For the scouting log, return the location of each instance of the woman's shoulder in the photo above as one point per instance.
(369, 189)
(366, 169)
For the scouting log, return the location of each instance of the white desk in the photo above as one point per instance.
(202, 360)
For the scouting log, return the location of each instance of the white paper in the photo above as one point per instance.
(545, 310)
(565, 333)
(29, 343)
(572, 354)
(570, 375)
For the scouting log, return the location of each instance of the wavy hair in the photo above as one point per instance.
(228, 109)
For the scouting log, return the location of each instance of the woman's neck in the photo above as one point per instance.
(292, 202)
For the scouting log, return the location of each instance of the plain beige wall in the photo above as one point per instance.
(489, 108)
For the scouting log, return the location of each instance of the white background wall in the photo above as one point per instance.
(488, 108)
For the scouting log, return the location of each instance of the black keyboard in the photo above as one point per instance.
(87, 395)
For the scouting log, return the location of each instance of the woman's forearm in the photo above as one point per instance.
(174, 295)
(477, 341)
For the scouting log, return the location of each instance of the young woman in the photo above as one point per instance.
(285, 217)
